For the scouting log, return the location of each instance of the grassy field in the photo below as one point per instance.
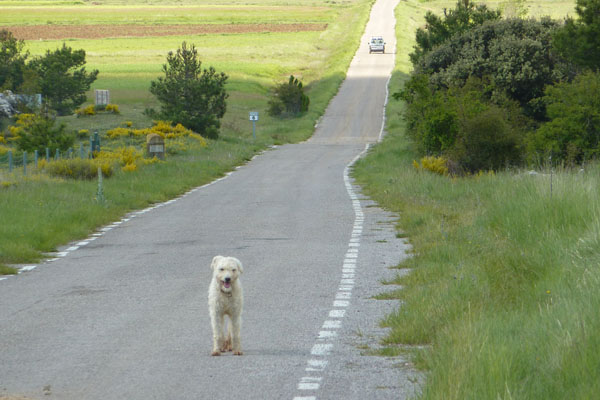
(503, 296)
(44, 213)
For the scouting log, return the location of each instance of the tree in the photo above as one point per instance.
(516, 54)
(289, 98)
(12, 61)
(437, 29)
(579, 40)
(63, 79)
(37, 132)
(572, 133)
(193, 97)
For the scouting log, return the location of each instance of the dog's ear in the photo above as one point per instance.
(240, 267)
(215, 261)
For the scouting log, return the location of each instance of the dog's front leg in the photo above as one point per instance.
(217, 328)
(236, 326)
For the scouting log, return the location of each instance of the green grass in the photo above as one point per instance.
(504, 289)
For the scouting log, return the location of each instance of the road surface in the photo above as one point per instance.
(123, 314)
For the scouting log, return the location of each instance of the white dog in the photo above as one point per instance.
(225, 298)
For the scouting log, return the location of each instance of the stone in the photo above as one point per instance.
(155, 145)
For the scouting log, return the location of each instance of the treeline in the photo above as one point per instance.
(488, 93)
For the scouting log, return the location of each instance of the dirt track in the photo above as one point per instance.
(50, 32)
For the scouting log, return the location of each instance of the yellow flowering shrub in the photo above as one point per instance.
(118, 132)
(87, 111)
(78, 168)
(4, 150)
(23, 122)
(162, 128)
(112, 108)
(129, 167)
(121, 156)
(438, 165)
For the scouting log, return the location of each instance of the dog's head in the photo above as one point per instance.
(226, 271)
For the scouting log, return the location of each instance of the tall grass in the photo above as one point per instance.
(505, 277)
(504, 289)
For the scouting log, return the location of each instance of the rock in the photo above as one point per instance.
(9, 102)
(6, 106)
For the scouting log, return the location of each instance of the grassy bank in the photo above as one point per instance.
(40, 214)
(504, 290)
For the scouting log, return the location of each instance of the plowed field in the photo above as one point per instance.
(54, 32)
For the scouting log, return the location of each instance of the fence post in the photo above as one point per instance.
(47, 154)
(70, 154)
(57, 154)
(24, 163)
(81, 153)
(100, 193)
(10, 161)
(35, 157)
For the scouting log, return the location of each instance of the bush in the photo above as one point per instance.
(437, 165)
(190, 96)
(37, 132)
(162, 128)
(78, 168)
(464, 124)
(288, 99)
(486, 142)
(86, 111)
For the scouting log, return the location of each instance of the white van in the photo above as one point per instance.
(376, 44)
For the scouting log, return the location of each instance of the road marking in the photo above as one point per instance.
(332, 324)
(27, 268)
(342, 296)
(316, 365)
(327, 335)
(309, 383)
(321, 349)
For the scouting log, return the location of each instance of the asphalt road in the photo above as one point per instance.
(123, 315)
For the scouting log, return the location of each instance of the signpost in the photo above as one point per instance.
(254, 118)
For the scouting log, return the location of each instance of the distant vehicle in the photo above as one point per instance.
(376, 44)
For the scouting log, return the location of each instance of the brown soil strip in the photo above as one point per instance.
(54, 32)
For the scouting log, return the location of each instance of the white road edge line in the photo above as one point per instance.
(342, 299)
(102, 230)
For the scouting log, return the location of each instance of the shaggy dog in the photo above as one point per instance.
(225, 298)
